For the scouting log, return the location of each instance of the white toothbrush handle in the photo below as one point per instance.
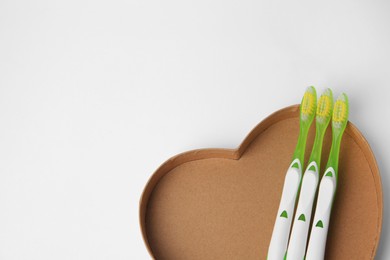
(298, 240)
(319, 230)
(281, 231)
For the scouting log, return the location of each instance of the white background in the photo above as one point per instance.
(95, 95)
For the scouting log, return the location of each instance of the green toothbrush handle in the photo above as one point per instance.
(281, 231)
(298, 239)
(319, 230)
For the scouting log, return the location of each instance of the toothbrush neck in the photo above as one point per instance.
(317, 147)
(333, 160)
(301, 144)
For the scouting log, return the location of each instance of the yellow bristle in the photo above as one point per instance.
(308, 104)
(324, 106)
(340, 111)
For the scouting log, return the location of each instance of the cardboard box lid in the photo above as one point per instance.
(222, 204)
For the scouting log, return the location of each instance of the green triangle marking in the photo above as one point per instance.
(302, 217)
(312, 168)
(295, 165)
(284, 214)
(320, 224)
(329, 174)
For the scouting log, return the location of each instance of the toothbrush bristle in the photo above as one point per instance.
(324, 107)
(340, 112)
(308, 105)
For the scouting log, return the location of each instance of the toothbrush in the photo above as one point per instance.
(327, 190)
(278, 245)
(297, 246)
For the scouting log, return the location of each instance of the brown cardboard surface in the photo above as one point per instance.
(222, 204)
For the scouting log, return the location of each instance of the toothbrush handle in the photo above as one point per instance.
(278, 245)
(298, 240)
(319, 230)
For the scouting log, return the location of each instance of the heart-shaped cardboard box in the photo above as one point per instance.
(222, 204)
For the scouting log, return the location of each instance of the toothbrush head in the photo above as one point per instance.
(340, 112)
(308, 105)
(325, 107)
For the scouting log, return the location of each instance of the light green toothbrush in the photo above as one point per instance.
(278, 245)
(298, 239)
(319, 230)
